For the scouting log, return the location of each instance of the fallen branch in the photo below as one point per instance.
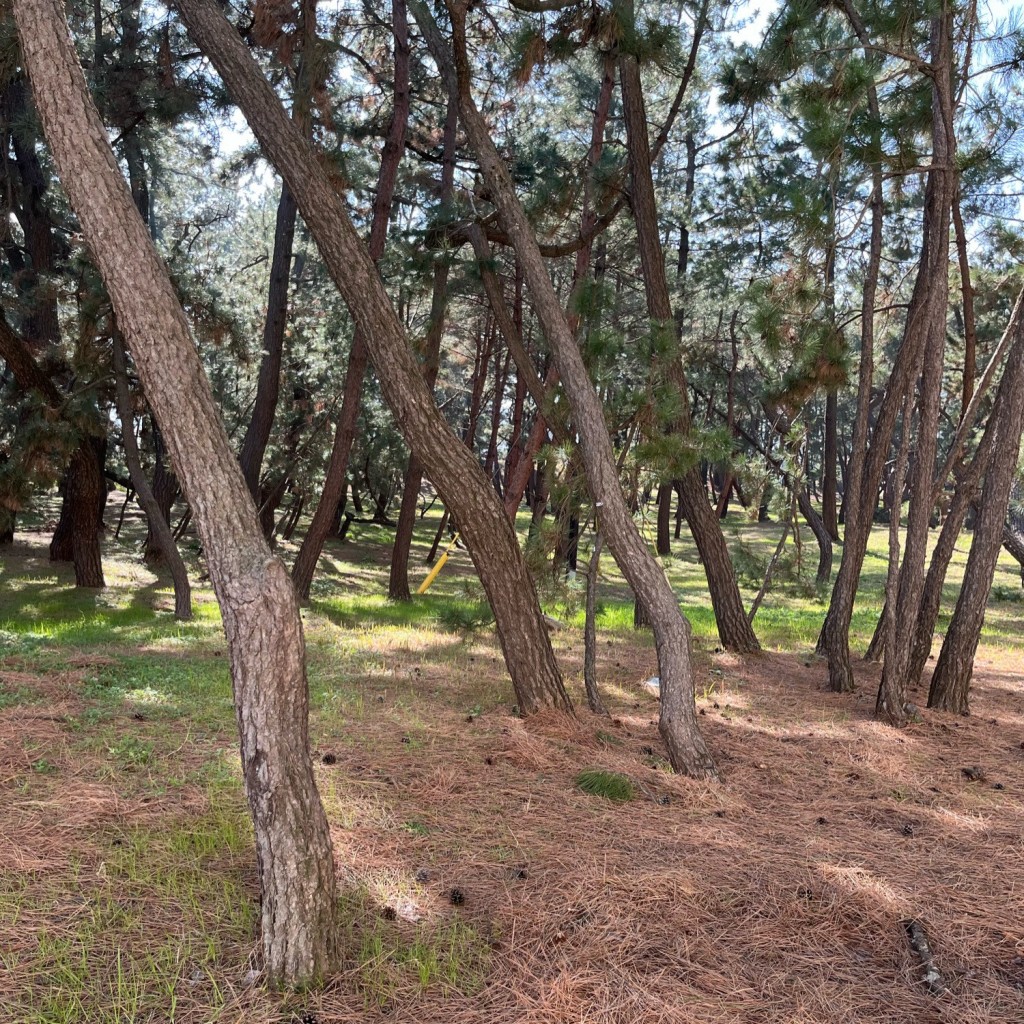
(932, 976)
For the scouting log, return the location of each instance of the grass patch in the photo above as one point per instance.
(610, 785)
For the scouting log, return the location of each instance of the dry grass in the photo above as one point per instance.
(774, 896)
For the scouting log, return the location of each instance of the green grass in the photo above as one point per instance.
(610, 785)
(160, 908)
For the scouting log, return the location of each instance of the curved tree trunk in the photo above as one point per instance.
(453, 469)
(261, 615)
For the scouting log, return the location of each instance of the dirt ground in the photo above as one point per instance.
(777, 895)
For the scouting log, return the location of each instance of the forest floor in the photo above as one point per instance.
(480, 883)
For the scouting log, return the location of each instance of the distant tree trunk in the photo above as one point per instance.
(398, 581)
(966, 492)
(830, 457)
(686, 747)
(590, 632)
(337, 468)
(734, 629)
(951, 681)
(456, 474)
(77, 537)
(1013, 541)
(171, 557)
(261, 616)
(664, 543)
(868, 458)
(165, 489)
(268, 384)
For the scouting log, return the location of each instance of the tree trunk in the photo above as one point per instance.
(337, 468)
(892, 696)
(590, 632)
(268, 385)
(664, 540)
(159, 525)
(830, 467)
(834, 640)
(261, 616)
(867, 469)
(951, 680)
(453, 469)
(78, 532)
(398, 581)
(686, 747)
(734, 629)
(165, 490)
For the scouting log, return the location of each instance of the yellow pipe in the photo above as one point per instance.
(432, 575)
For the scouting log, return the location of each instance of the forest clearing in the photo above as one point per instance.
(128, 889)
(511, 511)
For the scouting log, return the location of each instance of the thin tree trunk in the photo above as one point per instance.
(261, 616)
(456, 474)
(892, 696)
(268, 384)
(337, 468)
(590, 632)
(165, 490)
(398, 581)
(734, 628)
(171, 557)
(834, 641)
(663, 541)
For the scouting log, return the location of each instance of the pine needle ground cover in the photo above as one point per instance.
(480, 882)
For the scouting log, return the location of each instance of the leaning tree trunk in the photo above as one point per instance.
(455, 472)
(966, 491)
(159, 526)
(261, 615)
(686, 747)
(951, 680)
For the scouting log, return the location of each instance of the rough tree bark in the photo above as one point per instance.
(261, 615)
(951, 680)
(455, 472)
